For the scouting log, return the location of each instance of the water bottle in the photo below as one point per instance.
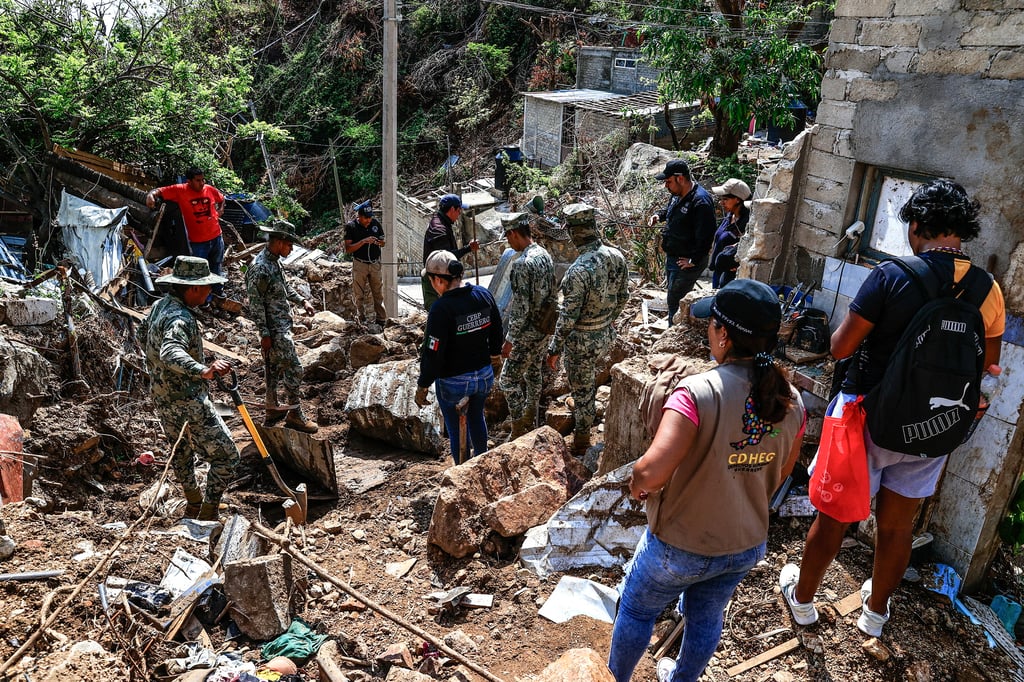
(989, 383)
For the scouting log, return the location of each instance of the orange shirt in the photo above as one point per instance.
(199, 209)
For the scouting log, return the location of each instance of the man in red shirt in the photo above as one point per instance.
(201, 206)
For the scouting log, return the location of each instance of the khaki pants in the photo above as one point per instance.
(367, 284)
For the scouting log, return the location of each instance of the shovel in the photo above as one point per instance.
(299, 496)
(462, 406)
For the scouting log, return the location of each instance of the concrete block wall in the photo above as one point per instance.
(542, 131)
(935, 88)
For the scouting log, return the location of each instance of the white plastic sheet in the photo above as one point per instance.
(93, 236)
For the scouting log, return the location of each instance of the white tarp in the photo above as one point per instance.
(600, 526)
(93, 236)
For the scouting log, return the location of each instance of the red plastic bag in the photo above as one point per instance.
(840, 485)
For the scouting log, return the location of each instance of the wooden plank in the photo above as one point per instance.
(845, 607)
(763, 657)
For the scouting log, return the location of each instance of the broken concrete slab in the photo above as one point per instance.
(311, 455)
(237, 542)
(30, 311)
(599, 526)
(577, 665)
(24, 376)
(324, 362)
(260, 590)
(381, 405)
(539, 458)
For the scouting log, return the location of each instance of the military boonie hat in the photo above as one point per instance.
(191, 271)
(578, 214)
(281, 228)
(510, 221)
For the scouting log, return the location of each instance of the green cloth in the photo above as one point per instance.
(297, 643)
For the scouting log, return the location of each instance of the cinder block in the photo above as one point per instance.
(1003, 30)
(900, 61)
(853, 58)
(826, 191)
(782, 182)
(992, 5)
(815, 239)
(825, 165)
(835, 141)
(874, 90)
(768, 215)
(959, 62)
(833, 86)
(1008, 65)
(836, 114)
(844, 30)
(31, 311)
(864, 8)
(916, 8)
(889, 33)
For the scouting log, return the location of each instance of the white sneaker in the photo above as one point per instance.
(665, 668)
(871, 623)
(803, 614)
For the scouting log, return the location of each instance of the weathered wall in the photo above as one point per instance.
(928, 86)
(542, 131)
(595, 69)
(936, 88)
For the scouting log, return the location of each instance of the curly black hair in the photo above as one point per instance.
(942, 207)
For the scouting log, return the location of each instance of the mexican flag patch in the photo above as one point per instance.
(433, 343)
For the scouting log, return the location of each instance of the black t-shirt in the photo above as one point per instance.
(889, 298)
(689, 226)
(463, 332)
(355, 232)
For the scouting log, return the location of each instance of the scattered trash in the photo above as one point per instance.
(298, 643)
(797, 505)
(1007, 610)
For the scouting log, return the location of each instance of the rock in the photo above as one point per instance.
(460, 641)
(641, 162)
(324, 362)
(517, 513)
(83, 656)
(7, 547)
(783, 676)
(402, 675)
(559, 417)
(577, 665)
(919, 671)
(366, 350)
(24, 376)
(260, 589)
(397, 654)
(876, 649)
(381, 405)
(458, 525)
(325, 320)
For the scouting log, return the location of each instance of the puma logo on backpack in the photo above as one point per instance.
(926, 403)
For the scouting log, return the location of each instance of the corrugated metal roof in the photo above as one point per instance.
(572, 96)
(10, 266)
(640, 104)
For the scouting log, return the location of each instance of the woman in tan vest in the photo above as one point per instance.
(728, 438)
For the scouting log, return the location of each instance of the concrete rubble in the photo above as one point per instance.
(24, 376)
(381, 405)
(493, 493)
(577, 665)
(260, 590)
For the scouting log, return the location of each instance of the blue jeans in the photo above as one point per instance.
(680, 282)
(213, 252)
(450, 390)
(658, 574)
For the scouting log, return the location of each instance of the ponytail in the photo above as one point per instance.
(770, 390)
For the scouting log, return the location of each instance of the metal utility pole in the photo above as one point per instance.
(266, 154)
(389, 160)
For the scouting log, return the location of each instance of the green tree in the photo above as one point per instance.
(739, 59)
(155, 87)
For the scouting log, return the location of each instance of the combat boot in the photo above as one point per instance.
(273, 414)
(209, 512)
(298, 421)
(194, 498)
(524, 424)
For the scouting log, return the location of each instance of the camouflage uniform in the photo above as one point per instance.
(532, 280)
(174, 357)
(594, 291)
(269, 296)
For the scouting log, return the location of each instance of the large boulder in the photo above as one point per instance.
(324, 362)
(24, 375)
(381, 404)
(641, 162)
(504, 492)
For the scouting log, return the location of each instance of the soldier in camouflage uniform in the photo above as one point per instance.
(174, 357)
(269, 297)
(594, 291)
(532, 280)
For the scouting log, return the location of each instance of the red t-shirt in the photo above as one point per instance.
(199, 209)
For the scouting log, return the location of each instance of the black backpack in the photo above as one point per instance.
(927, 401)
